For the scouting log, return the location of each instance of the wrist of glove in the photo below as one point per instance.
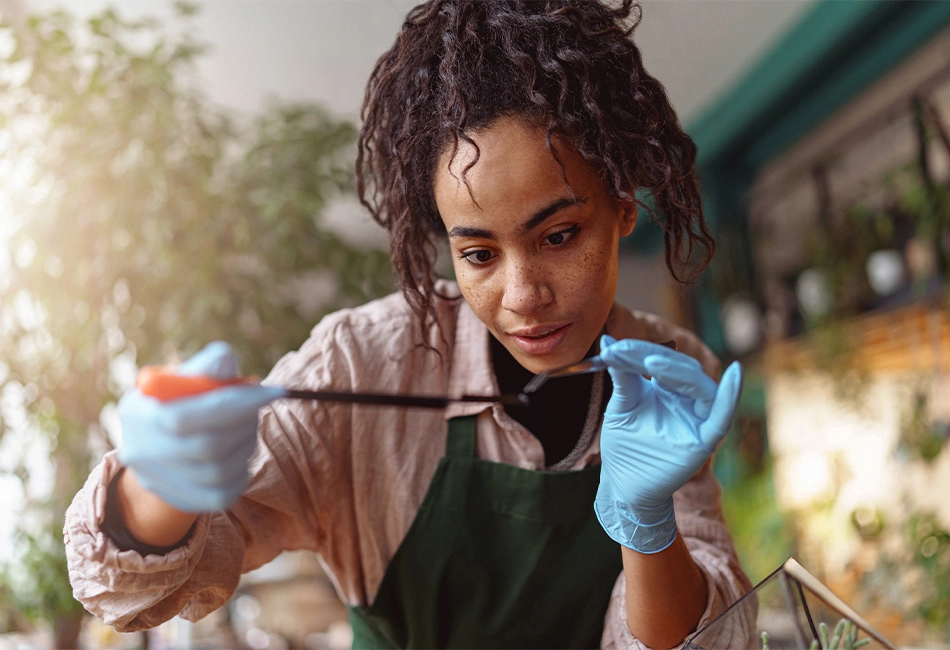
(657, 433)
(645, 530)
(193, 452)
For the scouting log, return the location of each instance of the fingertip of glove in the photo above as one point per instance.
(218, 347)
(606, 340)
(216, 359)
(655, 362)
(733, 375)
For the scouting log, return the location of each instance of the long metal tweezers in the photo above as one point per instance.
(391, 399)
(590, 364)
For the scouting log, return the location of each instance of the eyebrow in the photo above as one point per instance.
(533, 222)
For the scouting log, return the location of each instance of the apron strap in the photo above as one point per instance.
(461, 439)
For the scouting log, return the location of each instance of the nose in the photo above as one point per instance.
(526, 288)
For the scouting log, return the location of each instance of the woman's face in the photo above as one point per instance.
(535, 255)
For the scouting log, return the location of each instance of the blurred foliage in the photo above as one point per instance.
(916, 214)
(913, 222)
(910, 215)
(914, 577)
(931, 553)
(33, 581)
(138, 223)
(922, 436)
(840, 248)
(764, 536)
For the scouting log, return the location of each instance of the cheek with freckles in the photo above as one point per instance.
(593, 273)
(480, 296)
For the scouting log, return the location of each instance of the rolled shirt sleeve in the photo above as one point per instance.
(279, 511)
(123, 588)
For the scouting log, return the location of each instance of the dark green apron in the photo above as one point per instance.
(497, 557)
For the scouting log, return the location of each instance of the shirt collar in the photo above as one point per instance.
(472, 372)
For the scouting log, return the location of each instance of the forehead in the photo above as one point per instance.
(509, 165)
(504, 140)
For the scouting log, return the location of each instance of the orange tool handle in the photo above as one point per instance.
(163, 384)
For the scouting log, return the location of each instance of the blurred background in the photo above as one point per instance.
(172, 174)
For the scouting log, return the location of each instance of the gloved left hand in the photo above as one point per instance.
(656, 434)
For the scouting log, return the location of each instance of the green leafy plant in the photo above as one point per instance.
(845, 636)
(139, 223)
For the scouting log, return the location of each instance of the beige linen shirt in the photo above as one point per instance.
(346, 481)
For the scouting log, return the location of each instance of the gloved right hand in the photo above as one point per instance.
(656, 435)
(193, 452)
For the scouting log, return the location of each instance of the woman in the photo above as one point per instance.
(518, 131)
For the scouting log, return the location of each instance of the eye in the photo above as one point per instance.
(561, 237)
(478, 256)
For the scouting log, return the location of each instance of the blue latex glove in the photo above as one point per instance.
(656, 434)
(193, 452)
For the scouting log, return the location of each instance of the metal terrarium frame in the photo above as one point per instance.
(790, 608)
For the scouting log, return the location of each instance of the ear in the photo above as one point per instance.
(628, 217)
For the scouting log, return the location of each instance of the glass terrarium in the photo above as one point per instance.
(789, 609)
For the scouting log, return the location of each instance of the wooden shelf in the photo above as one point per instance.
(915, 338)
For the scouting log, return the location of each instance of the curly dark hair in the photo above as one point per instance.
(568, 66)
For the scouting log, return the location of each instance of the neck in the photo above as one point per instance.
(557, 412)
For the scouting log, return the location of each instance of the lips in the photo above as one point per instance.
(540, 340)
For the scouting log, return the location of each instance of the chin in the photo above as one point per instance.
(538, 364)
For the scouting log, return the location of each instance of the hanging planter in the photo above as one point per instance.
(886, 271)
